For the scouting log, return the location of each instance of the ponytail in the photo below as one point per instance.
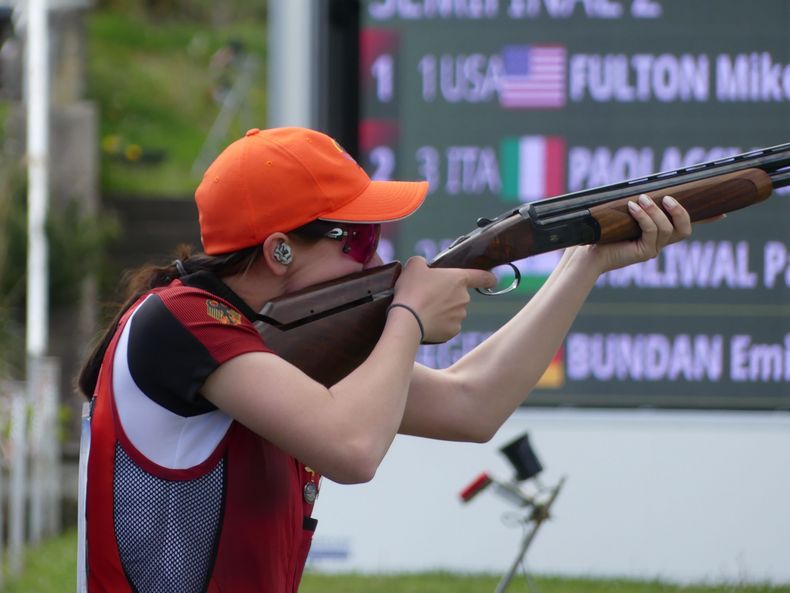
(142, 280)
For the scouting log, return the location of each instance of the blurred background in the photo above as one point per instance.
(666, 410)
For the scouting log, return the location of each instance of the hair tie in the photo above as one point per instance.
(182, 271)
(413, 312)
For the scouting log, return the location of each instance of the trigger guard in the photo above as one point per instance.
(513, 285)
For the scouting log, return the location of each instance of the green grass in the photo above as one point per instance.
(440, 582)
(152, 84)
(51, 568)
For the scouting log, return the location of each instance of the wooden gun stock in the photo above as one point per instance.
(329, 329)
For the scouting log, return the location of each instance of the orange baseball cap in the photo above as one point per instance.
(282, 178)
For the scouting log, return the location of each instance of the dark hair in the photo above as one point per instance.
(140, 281)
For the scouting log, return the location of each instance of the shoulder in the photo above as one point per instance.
(186, 313)
(176, 338)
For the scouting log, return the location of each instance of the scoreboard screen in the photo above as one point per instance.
(501, 102)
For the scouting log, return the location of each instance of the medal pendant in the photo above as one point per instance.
(310, 492)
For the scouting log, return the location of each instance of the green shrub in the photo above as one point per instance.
(154, 86)
(206, 11)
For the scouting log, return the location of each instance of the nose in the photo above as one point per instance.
(374, 261)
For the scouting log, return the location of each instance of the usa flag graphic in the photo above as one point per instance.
(534, 77)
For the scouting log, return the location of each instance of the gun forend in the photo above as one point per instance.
(702, 199)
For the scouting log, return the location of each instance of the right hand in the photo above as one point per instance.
(439, 295)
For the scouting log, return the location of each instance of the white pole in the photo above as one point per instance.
(44, 490)
(17, 494)
(292, 81)
(37, 317)
(38, 178)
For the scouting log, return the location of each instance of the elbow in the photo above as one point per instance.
(356, 465)
(478, 425)
(480, 433)
(472, 420)
(351, 476)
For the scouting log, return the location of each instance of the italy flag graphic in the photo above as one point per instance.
(532, 168)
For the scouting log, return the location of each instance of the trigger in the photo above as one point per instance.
(513, 285)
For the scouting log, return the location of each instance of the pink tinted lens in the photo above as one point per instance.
(362, 241)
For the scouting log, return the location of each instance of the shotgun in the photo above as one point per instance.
(327, 330)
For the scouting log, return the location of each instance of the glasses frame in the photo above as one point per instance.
(343, 231)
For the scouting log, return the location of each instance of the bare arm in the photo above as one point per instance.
(472, 398)
(344, 432)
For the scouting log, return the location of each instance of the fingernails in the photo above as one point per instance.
(645, 200)
(633, 207)
(670, 202)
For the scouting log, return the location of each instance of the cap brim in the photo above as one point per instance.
(381, 201)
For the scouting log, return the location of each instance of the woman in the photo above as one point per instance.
(207, 447)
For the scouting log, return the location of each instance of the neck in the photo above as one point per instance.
(255, 289)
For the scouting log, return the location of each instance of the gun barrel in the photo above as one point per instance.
(771, 160)
(780, 179)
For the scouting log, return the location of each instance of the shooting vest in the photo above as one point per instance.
(180, 497)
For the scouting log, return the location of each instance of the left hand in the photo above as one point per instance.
(658, 231)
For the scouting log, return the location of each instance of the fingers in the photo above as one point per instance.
(658, 229)
(480, 279)
(680, 218)
(653, 223)
(416, 261)
(469, 277)
(439, 295)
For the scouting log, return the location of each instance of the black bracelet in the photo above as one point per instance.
(413, 312)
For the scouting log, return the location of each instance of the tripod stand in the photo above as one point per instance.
(538, 512)
(524, 460)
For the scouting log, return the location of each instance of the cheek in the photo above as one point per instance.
(328, 268)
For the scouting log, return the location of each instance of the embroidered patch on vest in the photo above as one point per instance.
(222, 313)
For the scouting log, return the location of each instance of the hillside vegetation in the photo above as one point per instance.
(155, 80)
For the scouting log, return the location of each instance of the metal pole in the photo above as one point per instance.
(17, 491)
(538, 515)
(37, 313)
(44, 489)
(232, 103)
(292, 81)
(505, 580)
(37, 88)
